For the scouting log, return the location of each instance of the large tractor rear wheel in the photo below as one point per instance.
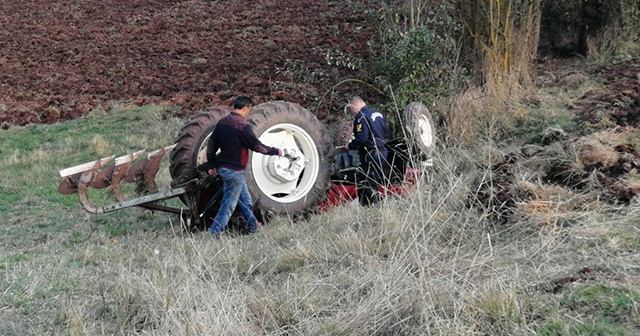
(277, 185)
(284, 185)
(190, 151)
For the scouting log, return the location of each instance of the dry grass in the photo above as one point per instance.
(422, 264)
(550, 207)
(600, 148)
(480, 113)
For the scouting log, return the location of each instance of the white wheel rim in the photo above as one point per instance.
(278, 178)
(424, 130)
(281, 179)
(202, 151)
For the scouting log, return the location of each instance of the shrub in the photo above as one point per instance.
(419, 53)
(415, 68)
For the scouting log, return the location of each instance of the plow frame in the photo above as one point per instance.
(78, 179)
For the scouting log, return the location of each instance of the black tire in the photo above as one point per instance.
(189, 142)
(421, 132)
(311, 186)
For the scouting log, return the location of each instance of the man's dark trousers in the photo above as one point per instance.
(373, 163)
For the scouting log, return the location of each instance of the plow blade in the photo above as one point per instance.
(103, 178)
(153, 164)
(136, 171)
(121, 168)
(80, 174)
(77, 180)
(107, 175)
(69, 184)
(144, 171)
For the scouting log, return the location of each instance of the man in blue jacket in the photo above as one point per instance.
(370, 136)
(234, 137)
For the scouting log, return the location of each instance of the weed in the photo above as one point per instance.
(531, 128)
(17, 258)
(573, 327)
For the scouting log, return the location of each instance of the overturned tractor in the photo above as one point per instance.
(315, 173)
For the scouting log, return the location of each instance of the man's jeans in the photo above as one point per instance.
(234, 192)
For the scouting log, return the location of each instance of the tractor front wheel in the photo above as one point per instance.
(421, 132)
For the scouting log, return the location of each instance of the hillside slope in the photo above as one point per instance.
(61, 59)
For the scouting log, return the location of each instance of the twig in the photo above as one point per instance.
(349, 80)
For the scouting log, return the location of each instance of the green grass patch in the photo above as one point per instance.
(606, 301)
(531, 128)
(596, 309)
(574, 328)
(7, 196)
(15, 258)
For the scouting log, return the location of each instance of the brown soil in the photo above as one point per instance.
(619, 103)
(60, 59)
(597, 161)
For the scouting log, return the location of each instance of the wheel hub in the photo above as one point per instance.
(288, 178)
(287, 168)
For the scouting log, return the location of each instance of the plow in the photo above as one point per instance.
(315, 173)
(78, 179)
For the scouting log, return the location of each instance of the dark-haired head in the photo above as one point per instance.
(242, 102)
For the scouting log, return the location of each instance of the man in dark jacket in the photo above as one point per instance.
(370, 136)
(234, 137)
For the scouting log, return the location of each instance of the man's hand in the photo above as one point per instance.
(280, 152)
(213, 171)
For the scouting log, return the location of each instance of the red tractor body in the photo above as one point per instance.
(340, 194)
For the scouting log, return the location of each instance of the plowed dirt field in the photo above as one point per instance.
(60, 59)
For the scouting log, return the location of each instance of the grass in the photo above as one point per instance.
(598, 309)
(423, 264)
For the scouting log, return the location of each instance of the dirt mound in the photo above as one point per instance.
(60, 59)
(568, 172)
(563, 176)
